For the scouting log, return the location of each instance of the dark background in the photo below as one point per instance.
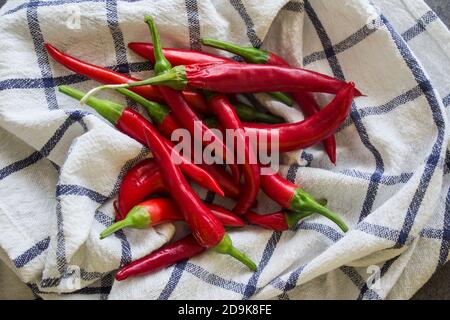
(438, 287)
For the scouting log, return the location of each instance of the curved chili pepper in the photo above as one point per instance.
(305, 100)
(183, 57)
(292, 197)
(153, 212)
(108, 76)
(229, 120)
(162, 258)
(142, 180)
(241, 78)
(180, 108)
(113, 113)
(303, 134)
(280, 221)
(168, 255)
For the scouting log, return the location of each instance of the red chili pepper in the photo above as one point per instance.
(176, 56)
(242, 78)
(141, 181)
(305, 100)
(294, 198)
(153, 212)
(113, 112)
(170, 254)
(184, 57)
(181, 110)
(279, 221)
(145, 179)
(303, 134)
(229, 120)
(108, 76)
(162, 258)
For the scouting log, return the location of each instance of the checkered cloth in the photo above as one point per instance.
(61, 165)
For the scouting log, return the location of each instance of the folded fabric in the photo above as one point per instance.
(61, 164)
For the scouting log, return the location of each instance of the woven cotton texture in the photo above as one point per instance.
(61, 164)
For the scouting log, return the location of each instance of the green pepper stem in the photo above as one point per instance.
(116, 227)
(249, 54)
(161, 63)
(138, 217)
(282, 97)
(226, 247)
(107, 109)
(155, 110)
(302, 201)
(174, 78)
(242, 257)
(293, 217)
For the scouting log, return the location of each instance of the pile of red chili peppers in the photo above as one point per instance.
(198, 91)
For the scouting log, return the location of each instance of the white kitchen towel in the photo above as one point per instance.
(61, 165)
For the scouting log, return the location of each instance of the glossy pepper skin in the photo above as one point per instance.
(303, 134)
(183, 57)
(181, 110)
(107, 76)
(156, 211)
(244, 78)
(113, 112)
(162, 258)
(176, 56)
(142, 180)
(305, 100)
(294, 198)
(229, 119)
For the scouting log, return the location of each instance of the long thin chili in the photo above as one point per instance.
(168, 255)
(162, 258)
(303, 134)
(240, 78)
